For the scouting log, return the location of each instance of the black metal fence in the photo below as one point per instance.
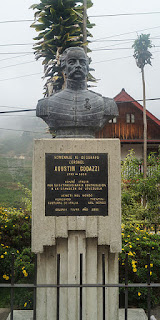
(126, 285)
(131, 170)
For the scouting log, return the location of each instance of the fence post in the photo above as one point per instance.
(148, 282)
(35, 288)
(58, 282)
(126, 287)
(81, 281)
(12, 289)
(155, 227)
(103, 282)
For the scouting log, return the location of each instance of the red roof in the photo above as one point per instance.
(124, 96)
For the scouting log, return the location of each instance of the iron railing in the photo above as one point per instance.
(126, 285)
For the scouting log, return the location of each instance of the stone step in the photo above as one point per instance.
(133, 314)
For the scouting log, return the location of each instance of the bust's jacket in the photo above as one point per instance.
(76, 108)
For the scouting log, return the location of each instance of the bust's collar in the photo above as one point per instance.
(76, 85)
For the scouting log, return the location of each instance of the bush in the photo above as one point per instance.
(137, 242)
(141, 197)
(15, 238)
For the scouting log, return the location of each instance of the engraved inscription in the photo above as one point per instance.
(76, 184)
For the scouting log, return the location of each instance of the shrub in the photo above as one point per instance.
(141, 197)
(15, 238)
(137, 242)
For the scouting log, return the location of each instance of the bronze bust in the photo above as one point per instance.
(76, 111)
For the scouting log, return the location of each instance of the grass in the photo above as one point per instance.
(12, 172)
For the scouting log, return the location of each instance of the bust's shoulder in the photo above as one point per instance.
(62, 94)
(93, 93)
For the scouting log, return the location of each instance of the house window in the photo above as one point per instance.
(114, 120)
(130, 118)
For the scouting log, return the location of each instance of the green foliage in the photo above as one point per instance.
(12, 196)
(137, 242)
(60, 25)
(141, 53)
(135, 188)
(13, 174)
(137, 219)
(26, 200)
(15, 238)
(15, 228)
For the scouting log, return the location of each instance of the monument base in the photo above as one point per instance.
(76, 213)
(133, 314)
(93, 299)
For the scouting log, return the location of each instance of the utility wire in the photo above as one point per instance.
(102, 49)
(108, 60)
(16, 52)
(16, 44)
(15, 57)
(109, 49)
(92, 50)
(24, 110)
(113, 59)
(123, 14)
(122, 34)
(17, 64)
(27, 75)
(20, 108)
(12, 21)
(91, 16)
(119, 40)
(34, 43)
(20, 115)
(19, 130)
(21, 63)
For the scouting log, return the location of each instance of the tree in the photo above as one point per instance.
(60, 25)
(143, 57)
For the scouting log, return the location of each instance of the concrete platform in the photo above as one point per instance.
(4, 313)
(22, 315)
(133, 314)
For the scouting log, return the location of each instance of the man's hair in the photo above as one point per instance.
(64, 55)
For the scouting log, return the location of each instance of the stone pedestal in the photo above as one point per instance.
(71, 236)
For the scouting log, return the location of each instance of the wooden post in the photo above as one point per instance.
(145, 127)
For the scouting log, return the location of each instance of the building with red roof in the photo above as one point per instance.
(128, 126)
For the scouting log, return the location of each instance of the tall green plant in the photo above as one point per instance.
(143, 57)
(60, 25)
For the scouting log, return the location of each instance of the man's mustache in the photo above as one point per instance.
(77, 69)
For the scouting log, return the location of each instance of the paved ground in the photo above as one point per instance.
(4, 313)
(22, 315)
(156, 313)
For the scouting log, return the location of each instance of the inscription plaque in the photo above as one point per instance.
(76, 184)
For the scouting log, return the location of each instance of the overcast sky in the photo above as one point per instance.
(115, 68)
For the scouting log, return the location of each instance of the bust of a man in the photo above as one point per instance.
(76, 111)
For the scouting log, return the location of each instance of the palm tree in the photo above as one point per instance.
(60, 25)
(143, 57)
